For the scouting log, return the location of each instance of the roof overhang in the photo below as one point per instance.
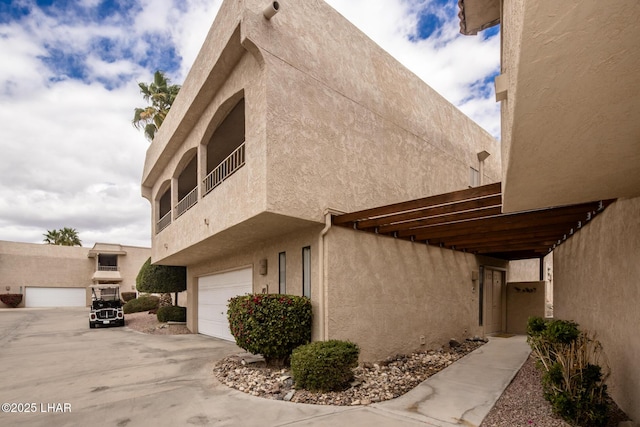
(472, 221)
(477, 15)
(106, 276)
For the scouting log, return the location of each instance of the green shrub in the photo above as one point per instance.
(573, 382)
(270, 324)
(142, 303)
(12, 300)
(128, 296)
(324, 365)
(172, 314)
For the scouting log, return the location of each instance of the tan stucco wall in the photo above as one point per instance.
(361, 129)
(596, 275)
(511, 27)
(325, 127)
(385, 293)
(40, 265)
(292, 244)
(524, 299)
(561, 144)
(526, 270)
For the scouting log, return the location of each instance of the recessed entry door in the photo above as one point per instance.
(493, 284)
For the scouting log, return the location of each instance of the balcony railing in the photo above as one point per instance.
(164, 222)
(107, 268)
(187, 201)
(224, 170)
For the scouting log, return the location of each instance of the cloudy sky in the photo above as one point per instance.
(69, 156)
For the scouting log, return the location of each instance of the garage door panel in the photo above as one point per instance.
(55, 297)
(214, 292)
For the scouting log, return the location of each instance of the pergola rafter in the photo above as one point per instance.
(471, 220)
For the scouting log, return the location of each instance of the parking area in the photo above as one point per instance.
(118, 377)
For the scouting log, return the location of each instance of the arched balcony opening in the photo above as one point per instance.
(188, 184)
(163, 207)
(225, 149)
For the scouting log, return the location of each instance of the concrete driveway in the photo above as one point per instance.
(66, 374)
(120, 377)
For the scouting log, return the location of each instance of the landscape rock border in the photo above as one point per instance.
(374, 382)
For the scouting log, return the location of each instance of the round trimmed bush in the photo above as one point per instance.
(12, 300)
(270, 324)
(128, 296)
(142, 303)
(324, 365)
(172, 314)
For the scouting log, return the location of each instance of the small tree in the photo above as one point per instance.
(64, 237)
(160, 94)
(161, 279)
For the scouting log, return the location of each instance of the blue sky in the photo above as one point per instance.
(68, 86)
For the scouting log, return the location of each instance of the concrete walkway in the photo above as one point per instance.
(462, 394)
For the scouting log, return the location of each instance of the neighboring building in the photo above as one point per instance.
(570, 92)
(282, 122)
(59, 276)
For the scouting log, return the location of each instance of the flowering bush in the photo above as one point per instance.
(12, 300)
(271, 325)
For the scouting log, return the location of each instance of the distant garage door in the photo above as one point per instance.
(55, 297)
(214, 292)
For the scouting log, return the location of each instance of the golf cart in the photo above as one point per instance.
(106, 306)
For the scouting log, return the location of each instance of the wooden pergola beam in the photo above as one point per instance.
(441, 199)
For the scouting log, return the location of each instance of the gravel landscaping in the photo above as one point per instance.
(521, 404)
(373, 382)
(148, 323)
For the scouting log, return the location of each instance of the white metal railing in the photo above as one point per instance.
(107, 268)
(226, 168)
(187, 201)
(164, 222)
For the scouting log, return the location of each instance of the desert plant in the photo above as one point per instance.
(271, 325)
(12, 300)
(324, 365)
(142, 303)
(573, 381)
(128, 296)
(172, 313)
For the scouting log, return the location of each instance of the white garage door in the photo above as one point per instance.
(213, 295)
(55, 297)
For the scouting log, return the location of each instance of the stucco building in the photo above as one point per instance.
(60, 276)
(570, 96)
(284, 123)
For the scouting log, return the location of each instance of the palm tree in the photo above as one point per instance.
(65, 237)
(161, 96)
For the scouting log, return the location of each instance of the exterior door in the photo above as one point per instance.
(493, 284)
(214, 292)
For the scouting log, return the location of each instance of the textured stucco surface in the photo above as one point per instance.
(326, 126)
(596, 284)
(573, 132)
(524, 299)
(250, 256)
(385, 293)
(526, 270)
(332, 121)
(40, 265)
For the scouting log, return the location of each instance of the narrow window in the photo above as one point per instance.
(474, 177)
(282, 272)
(306, 271)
